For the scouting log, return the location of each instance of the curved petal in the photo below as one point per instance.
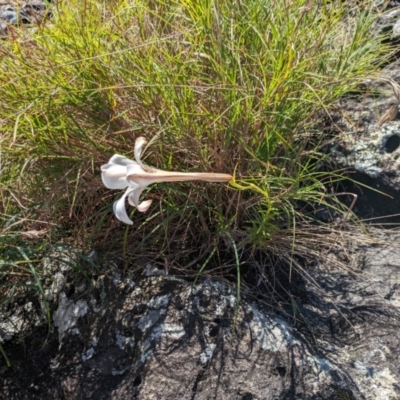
(133, 197)
(120, 209)
(114, 183)
(117, 159)
(134, 170)
(114, 176)
(144, 205)
(139, 143)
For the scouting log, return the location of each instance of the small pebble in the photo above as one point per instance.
(10, 17)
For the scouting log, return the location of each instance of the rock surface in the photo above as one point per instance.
(151, 336)
(15, 13)
(357, 317)
(364, 144)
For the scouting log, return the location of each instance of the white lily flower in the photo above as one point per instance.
(121, 173)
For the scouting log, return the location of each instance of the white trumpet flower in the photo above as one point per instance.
(121, 173)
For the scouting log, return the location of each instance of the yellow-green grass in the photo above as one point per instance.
(218, 86)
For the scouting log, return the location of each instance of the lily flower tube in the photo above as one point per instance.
(121, 173)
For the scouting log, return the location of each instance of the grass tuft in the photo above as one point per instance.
(216, 86)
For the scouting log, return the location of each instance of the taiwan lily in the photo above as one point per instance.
(121, 173)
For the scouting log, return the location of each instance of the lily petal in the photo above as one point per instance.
(139, 143)
(135, 169)
(114, 176)
(144, 205)
(121, 160)
(134, 196)
(120, 209)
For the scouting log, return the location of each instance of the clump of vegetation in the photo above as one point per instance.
(214, 86)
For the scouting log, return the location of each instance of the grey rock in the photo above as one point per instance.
(10, 16)
(184, 333)
(3, 29)
(162, 337)
(35, 6)
(17, 13)
(374, 152)
(396, 30)
(159, 336)
(387, 21)
(360, 319)
(67, 315)
(363, 144)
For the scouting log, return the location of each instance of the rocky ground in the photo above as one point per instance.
(16, 13)
(152, 336)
